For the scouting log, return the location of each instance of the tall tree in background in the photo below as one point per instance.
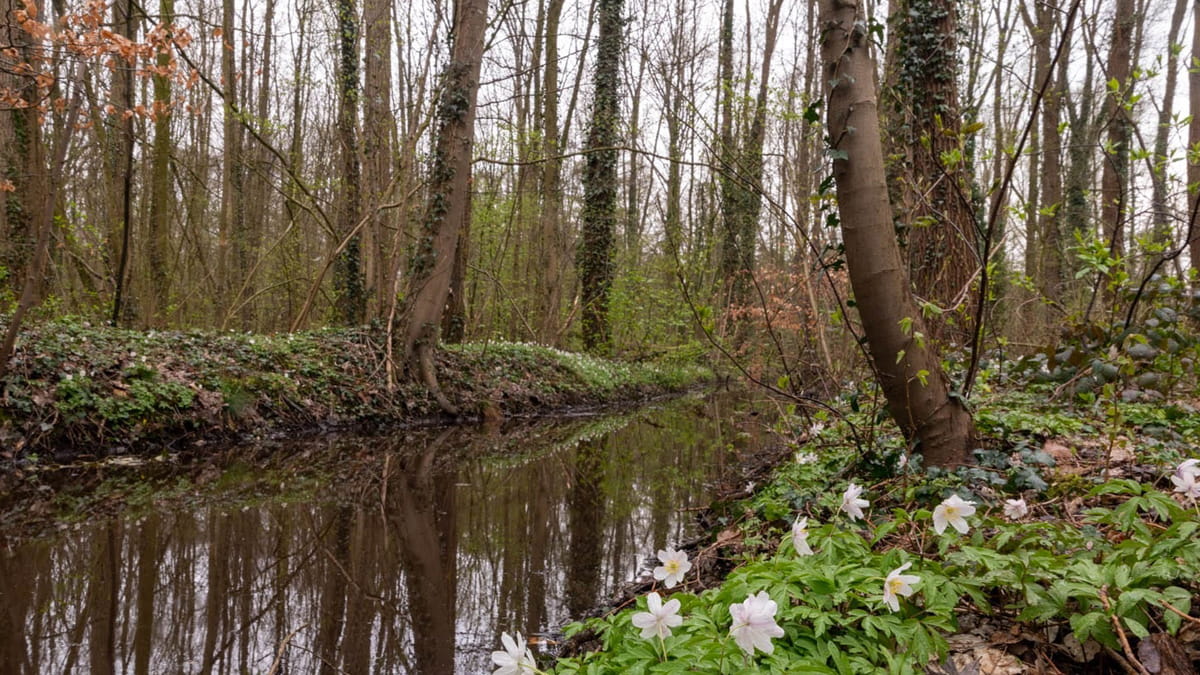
(1160, 206)
(731, 194)
(21, 155)
(926, 163)
(351, 299)
(1192, 235)
(907, 368)
(1049, 231)
(120, 158)
(158, 242)
(1115, 175)
(448, 201)
(599, 217)
(741, 155)
(378, 150)
(233, 206)
(552, 197)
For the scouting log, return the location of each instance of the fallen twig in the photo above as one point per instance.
(1116, 622)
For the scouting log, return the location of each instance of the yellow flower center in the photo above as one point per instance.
(672, 566)
(895, 585)
(951, 512)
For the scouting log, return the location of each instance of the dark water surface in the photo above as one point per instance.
(407, 553)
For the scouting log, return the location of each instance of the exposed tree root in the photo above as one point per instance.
(429, 377)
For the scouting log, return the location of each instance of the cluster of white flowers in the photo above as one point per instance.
(754, 625)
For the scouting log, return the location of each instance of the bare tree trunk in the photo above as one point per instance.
(1078, 210)
(1049, 209)
(552, 197)
(161, 196)
(727, 157)
(233, 171)
(907, 368)
(121, 178)
(1159, 207)
(448, 206)
(1193, 171)
(378, 148)
(259, 160)
(1113, 204)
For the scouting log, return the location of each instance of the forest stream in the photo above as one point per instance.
(407, 552)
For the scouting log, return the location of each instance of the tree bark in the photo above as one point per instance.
(378, 149)
(1159, 205)
(161, 194)
(908, 369)
(350, 297)
(595, 255)
(927, 162)
(1193, 169)
(1116, 162)
(233, 213)
(448, 205)
(1050, 242)
(552, 197)
(22, 162)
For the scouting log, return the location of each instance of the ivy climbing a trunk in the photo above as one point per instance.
(599, 216)
(905, 364)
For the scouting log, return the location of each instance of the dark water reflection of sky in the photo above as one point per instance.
(450, 538)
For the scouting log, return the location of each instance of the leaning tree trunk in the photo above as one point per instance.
(908, 370)
(449, 187)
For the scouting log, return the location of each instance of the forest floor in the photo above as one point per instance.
(1098, 571)
(80, 392)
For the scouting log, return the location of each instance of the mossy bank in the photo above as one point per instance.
(76, 390)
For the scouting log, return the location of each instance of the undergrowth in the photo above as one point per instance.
(1102, 554)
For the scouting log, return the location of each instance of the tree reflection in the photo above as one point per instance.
(439, 542)
(585, 509)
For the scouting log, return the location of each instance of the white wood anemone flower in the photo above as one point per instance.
(675, 565)
(800, 537)
(852, 504)
(661, 618)
(754, 623)
(897, 584)
(1015, 509)
(1188, 484)
(516, 659)
(953, 511)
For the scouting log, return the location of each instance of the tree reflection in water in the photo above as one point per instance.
(440, 541)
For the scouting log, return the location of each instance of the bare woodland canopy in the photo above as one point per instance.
(268, 165)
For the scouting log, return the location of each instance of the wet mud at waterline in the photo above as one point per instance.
(404, 554)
